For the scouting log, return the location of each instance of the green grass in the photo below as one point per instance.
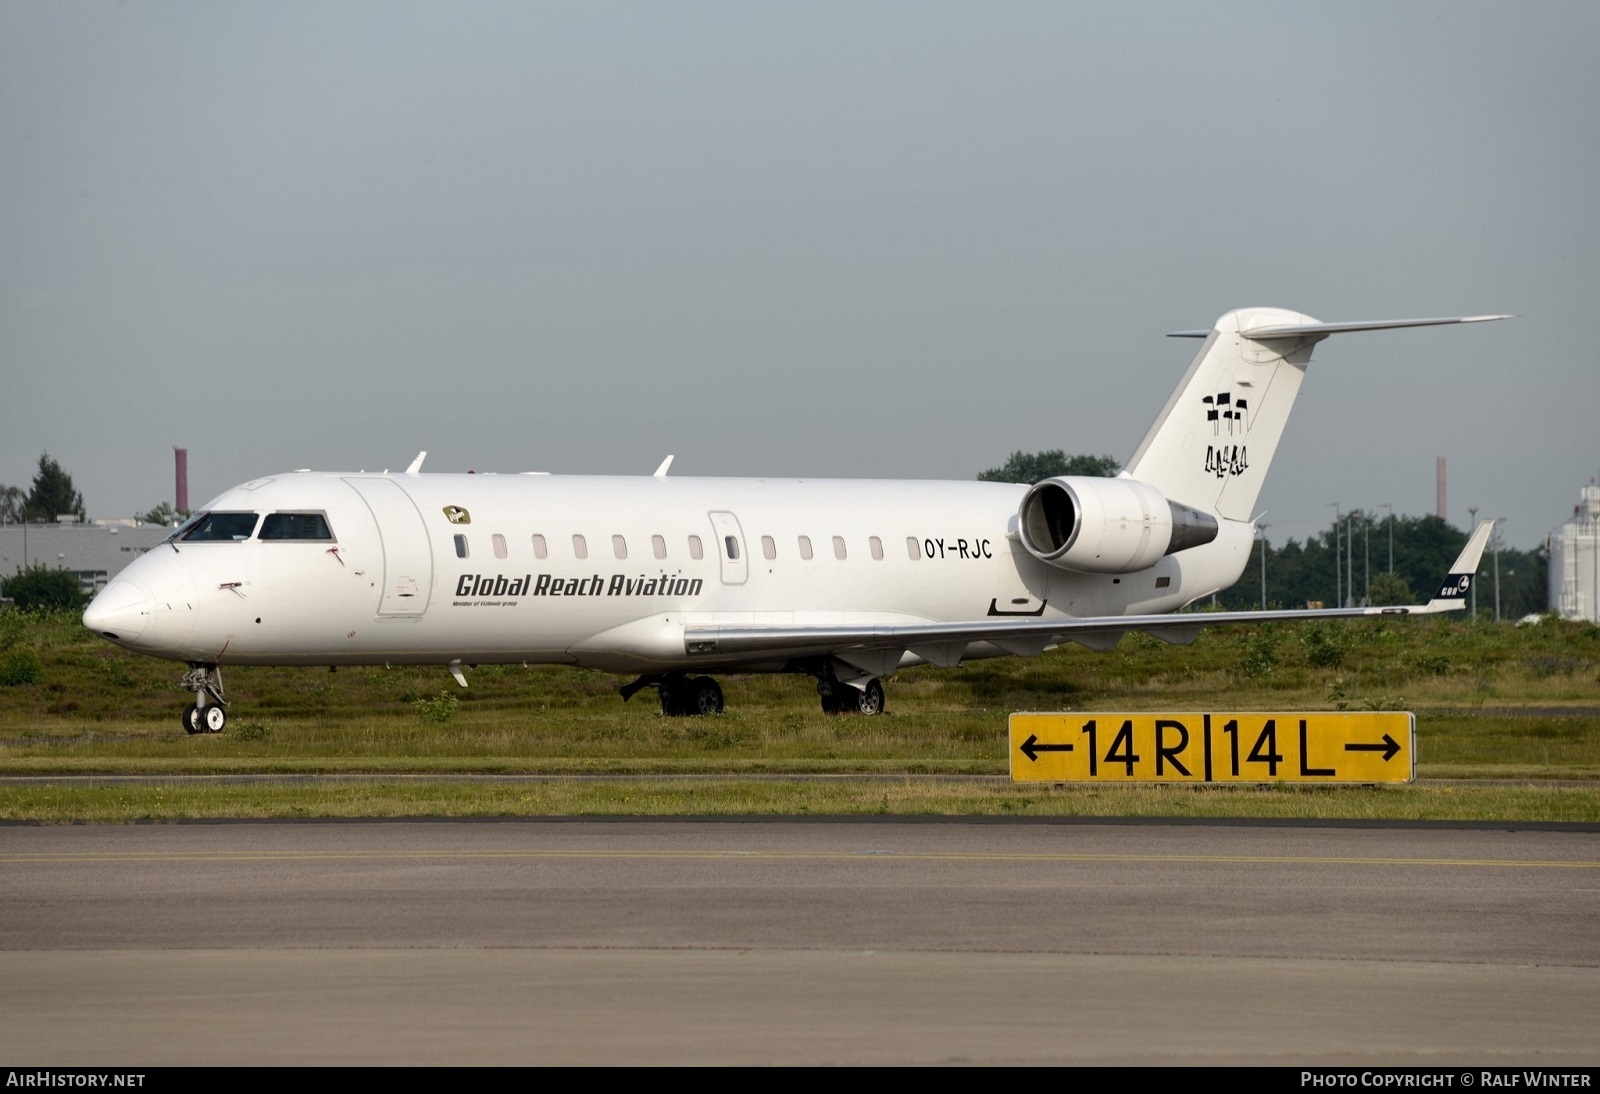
(737, 797)
(1492, 702)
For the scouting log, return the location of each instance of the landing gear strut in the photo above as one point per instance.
(208, 713)
(680, 695)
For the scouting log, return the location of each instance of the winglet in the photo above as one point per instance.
(661, 472)
(416, 464)
(1452, 594)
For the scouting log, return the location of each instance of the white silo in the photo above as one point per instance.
(1575, 560)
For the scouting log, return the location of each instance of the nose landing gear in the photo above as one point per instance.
(208, 713)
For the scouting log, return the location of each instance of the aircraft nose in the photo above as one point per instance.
(120, 612)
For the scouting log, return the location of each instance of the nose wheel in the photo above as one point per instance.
(208, 713)
(198, 719)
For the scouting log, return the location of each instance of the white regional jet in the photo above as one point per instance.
(674, 579)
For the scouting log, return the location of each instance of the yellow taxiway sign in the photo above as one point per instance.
(1216, 747)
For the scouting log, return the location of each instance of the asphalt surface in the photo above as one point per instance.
(793, 941)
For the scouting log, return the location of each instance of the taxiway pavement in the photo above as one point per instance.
(857, 940)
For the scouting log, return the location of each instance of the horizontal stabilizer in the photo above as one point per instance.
(1302, 330)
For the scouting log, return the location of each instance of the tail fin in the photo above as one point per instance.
(1452, 594)
(1212, 443)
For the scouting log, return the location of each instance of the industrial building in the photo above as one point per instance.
(1575, 560)
(96, 551)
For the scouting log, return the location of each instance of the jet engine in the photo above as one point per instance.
(1107, 526)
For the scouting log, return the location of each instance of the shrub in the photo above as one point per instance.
(19, 666)
(1260, 654)
(1325, 646)
(437, 711)
(41, 588)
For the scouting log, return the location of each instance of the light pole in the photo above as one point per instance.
(1261, 530)
(1338, 599)
(1390, 522)
(1472, 514)
(1366, 556)
(1496, 542)
(1349, 560)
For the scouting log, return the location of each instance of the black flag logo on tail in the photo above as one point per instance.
(1455, 587)
(1225, 412)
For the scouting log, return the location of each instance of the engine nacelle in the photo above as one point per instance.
(1107, 526)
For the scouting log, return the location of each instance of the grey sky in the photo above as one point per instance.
(855, 239)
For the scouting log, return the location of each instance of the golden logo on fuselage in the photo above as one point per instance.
(457, 515)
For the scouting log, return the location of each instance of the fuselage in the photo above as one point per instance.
(312, 568)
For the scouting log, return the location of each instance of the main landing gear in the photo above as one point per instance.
(691, 696)
(208, 713)
(681, 695)
(841, 698)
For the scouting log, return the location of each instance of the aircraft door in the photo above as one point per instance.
(729, 539)
(407, 554)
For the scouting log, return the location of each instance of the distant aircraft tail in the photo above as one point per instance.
(1453, 591)
(1212, 443)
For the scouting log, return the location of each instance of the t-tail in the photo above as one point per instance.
(1212, 443)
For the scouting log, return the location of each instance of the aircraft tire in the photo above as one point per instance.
(869, 700)
(214, 718)
(672, 697)
(705, 696)
(191, 719)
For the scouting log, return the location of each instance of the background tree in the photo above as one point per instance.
(53, 494)
(12, 500)
(164, 514)
(41, 588)
(1424, 548)
(1390, 588)
(1031, 467)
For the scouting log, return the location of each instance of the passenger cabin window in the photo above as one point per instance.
(221, 528)
(580, 547)
(877, 548)
(619, 546)
(499, 542)
(913, 548)
(296, 526)
(769, 549)
(539, 548)
(838, 548)
(696, 551)
(658, 546)
(805, 548)
(461, 545)
(731, 545)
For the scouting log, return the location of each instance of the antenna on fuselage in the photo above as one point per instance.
(661, 472)
(416, 464)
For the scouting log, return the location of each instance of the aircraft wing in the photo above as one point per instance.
(878, 647)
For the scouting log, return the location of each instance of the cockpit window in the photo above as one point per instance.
(301, 526)
(220, 528)
(183, 529)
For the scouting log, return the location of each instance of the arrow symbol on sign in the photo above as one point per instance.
(1031, 748)
(1389, 747)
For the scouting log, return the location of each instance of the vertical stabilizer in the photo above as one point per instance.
(1213, 441)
